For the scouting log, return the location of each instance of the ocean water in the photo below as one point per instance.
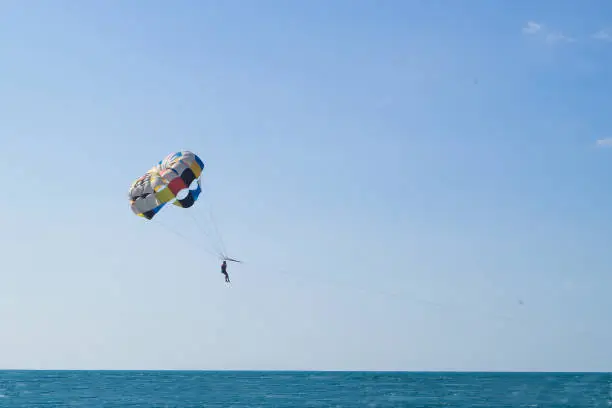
(301, 389)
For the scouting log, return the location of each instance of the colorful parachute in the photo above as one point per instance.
(175, 179)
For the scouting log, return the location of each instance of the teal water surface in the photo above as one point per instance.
(301, 389)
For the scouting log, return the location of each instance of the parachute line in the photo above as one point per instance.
(163, 225)
(219, 251)
(210, 213)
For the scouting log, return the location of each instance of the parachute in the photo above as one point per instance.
(176, 180)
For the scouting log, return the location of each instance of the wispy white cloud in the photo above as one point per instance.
(532, 27)
(551, 37)
(603, 35)
(540, 30)
(558, 37)
(605, 142)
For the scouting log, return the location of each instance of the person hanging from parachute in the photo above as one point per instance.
(224, 267)
(173, 180)
(224, 271)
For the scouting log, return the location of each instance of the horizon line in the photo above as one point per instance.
(206, 370)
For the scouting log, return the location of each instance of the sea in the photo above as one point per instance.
(302, 389)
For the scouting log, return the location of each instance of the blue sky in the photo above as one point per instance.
(395, 175)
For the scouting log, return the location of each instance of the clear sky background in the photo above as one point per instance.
(397, 176)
